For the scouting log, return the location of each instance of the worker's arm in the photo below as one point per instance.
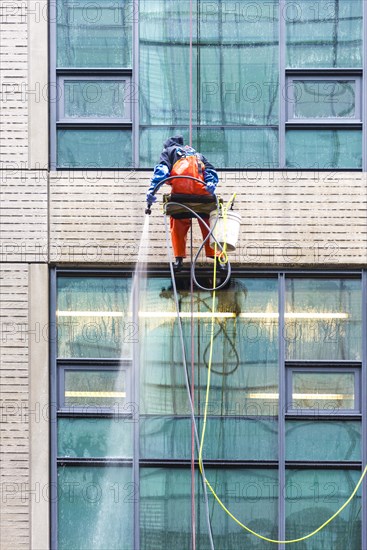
(160, 173)
(211, 178)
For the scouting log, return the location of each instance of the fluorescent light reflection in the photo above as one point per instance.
(307, 396)
(205, 315)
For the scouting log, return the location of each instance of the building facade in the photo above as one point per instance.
(96, 439)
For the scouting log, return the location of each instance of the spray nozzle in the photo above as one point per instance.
(148, 209)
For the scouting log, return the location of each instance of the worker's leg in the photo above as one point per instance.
(179, 229)
(209, 251)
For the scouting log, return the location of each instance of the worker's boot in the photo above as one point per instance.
(178, 264)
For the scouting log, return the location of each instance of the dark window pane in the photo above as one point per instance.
(324, 149)
(303, 439)
(94, 34)
(97, 99)
(321, 391)
(95, 388)
(312, 497)
(324, 33)
(226, 438)
(95, 508)
(323, 319)
(94, 149)
(92, 318)
(165, 508)
(95, 437)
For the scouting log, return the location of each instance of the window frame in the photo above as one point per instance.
(343, 121)
(98, 366)
(61, 118)
(322, 369)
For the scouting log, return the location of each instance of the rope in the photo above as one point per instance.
(187, 383)
(200, 443)
(201, 464)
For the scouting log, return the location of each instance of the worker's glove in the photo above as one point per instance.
(151, 198)
(210, 187)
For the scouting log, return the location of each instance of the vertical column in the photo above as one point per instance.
(281, 411)
(135, 81)
(364, 405)
(136, 288)
(39, 406)
(364, 87)
(282, 64)
(39, 92)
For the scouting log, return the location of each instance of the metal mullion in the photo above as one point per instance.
(53, 403)
(282, 82)
(282, 408)
(363, 92)
(52, 77)
(364, 403)
(135, 82)
(135, 393)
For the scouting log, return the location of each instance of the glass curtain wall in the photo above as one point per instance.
(273, 83)
(122, 465)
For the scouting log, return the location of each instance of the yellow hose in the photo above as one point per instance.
(202, 439)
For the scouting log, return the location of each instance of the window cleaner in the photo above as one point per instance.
(196, 187)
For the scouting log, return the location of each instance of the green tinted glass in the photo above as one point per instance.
(312, 497)
(98, 388)
(94, 149)
(95, 437)
(96, 99)
(95, 508)
(342, 440)
(324, 149)
(245, 366)
(323, 319)
(165, 508)
(324, 33)
(164, 35)
(238, 63)
(94, 34)
(92, 318)
(324, 98)
(223, 147)
(226, 438)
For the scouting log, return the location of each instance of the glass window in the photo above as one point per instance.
(94, 148)
(96, 388)
(95, 437)
(92, 314)
(96, 98)
(245, 367)
(312, 497)
(324, 33)
(330, 99)
(303, 438)
(323, 391)
(230, 147)
(94, 34)
(323, 319)
(165, 508)
(95, 507)
(324, 149)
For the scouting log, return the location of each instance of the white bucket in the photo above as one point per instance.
(226, 230)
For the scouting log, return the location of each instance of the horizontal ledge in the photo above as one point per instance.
(83, 71)
(93, 125)
(323, 125)
(323, 71)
